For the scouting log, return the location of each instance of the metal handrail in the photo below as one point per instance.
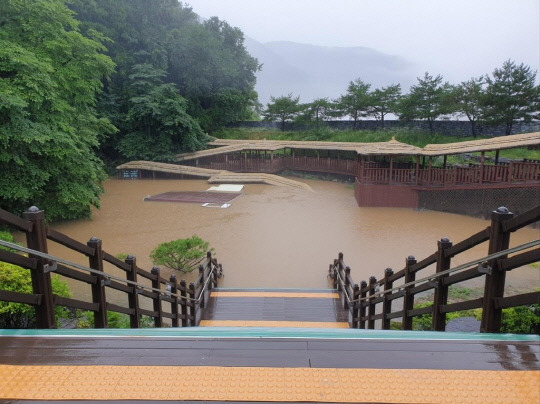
(103, 274)
(431, 278)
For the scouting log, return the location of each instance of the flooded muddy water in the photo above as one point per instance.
(278, 237)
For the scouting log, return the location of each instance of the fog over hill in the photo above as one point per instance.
(312, 71)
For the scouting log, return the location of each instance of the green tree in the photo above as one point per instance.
(283, 109)
(357, 102)
(49, 130)
(181, 255)
(385, 101)
(428, 100)
(511, 95)
(468, 97)
(159, 124)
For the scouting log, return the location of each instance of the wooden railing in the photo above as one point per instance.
(377, 173)
(170, 299)
(372, 301)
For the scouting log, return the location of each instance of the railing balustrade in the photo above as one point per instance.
(185, 302)
(373, 301)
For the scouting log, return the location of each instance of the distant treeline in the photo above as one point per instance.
(508, 96)
(457, 128)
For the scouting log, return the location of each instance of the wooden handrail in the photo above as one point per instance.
(40, 264)
(362, 298)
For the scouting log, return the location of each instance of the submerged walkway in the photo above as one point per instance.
(214, 176)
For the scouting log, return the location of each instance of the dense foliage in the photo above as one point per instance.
(49, 131)
(108, 81)
(176, 77)
(181, 255)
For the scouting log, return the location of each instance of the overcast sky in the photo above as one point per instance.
(456, 38)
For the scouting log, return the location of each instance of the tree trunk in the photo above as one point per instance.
(382, 121)
(473, 128)
(509, 128)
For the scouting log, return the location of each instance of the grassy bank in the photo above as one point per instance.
(409, 136)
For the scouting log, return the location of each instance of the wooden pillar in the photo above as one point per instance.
(362, 168)
(440, 297)
(482, 162)
(41, 277)
(387, 304)
(354, 311)
(176, 300)
(156, 284)
(391, 169)
(430, 164)
(346, 287)
(371, 306)
(417, 169)
(444, 161)
(408, 298)
(494, 285)
(98, 288)
(133, 297)
(184, 304)
(192, 305)
(497, 157)
(203, 281)
(362, 305)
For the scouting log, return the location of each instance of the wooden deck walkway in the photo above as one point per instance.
(223, 364)
(269, 345)
(214, 176)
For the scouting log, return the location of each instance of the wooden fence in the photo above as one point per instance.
(369, 172)
(169, 298)
(372, 300)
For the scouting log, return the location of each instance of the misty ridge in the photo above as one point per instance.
(312, 71)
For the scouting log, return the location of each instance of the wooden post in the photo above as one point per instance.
(346, 287)
(184, 304)
(175, 302)
(192, 305)
(494, 285)
(362, 307)
(387, 304)
(482, 162)
(332, 270)
(440, 297)
(417, 169)
(430, 166)
(497, 157)
(362, 168)
(408, 298)
(156, 284)
(391, 169)
(371, 307)
(203, 280)
(41, 278)
(98, 288)
(133, 297)
(354, 311)
(510, 171)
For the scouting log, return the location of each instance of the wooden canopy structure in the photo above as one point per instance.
(390, 148)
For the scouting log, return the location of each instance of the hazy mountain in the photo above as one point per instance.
(312, 71)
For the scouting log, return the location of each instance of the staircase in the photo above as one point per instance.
(283, 308)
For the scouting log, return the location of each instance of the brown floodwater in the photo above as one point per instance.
(278, 237)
